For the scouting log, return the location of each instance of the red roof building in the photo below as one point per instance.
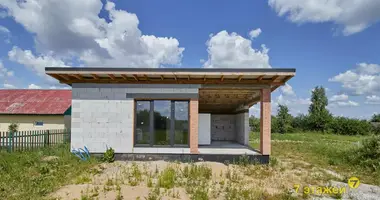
(37, 102)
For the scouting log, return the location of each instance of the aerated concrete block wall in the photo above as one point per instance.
(103, 114)
(223, 127)
(242, 128)
(234, 127)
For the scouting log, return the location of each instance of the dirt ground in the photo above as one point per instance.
(138, 180)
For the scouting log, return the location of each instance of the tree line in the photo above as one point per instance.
(318, 119)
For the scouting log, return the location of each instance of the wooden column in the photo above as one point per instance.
(265, 121)
(194, 126)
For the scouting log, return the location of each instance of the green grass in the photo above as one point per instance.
(321, 149)
(26, 175)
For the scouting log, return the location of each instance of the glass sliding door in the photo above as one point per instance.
(181, 122)
(162, 123)
(162, 110)
(142, 129)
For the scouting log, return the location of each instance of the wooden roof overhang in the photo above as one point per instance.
(222, 89)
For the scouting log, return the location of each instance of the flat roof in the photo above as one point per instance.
(112, 69)
(271, 76)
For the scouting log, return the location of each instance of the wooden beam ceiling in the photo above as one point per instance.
(77, 76)
(125, 77)
(64, 76)
(96, 77)
(112, 76)
(135, 76)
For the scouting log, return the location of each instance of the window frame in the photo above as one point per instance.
(151, 124)
(37, 125)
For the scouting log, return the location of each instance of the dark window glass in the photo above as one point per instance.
(161, 117)
(39, 123)
(181, 123)
(142, 122)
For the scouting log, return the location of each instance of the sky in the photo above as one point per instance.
(334, 44)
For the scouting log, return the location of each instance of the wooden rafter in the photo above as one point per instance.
(175, 77)
(274, 78)
(96, 77)
(188, 77)
(124, 76)
(64, 76)
(260, 78)
(77, 76)
(147, 78)
(112, 76)
(55, 76)
(222, 78)
(135, 76)
(204, 78)
(240, 77)
(274, 88)
(162, 77)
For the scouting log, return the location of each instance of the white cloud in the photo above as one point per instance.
(230, 50)
(341, 97)
(4, 29)
(5, 72)
(373, 99)
(344, 103)
(365, 79)
(36, 64)
(255, 33)
(288, 90)
(33, 86)
(75, 31)
(60, 88)
(351, 15)
(8, 86)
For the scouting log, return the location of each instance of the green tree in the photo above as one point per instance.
(375, 118)
(254, 123)
(319, 116)
(284, 119)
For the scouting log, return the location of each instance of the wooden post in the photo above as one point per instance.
(48, 137)
(10, 141)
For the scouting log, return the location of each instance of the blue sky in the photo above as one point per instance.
(331, 43)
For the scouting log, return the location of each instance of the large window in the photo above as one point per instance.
(162, 122)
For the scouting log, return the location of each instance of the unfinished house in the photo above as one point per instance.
(171, 113)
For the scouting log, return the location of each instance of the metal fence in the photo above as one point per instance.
(29, 140)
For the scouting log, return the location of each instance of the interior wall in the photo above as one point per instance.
(223, 127)
(204, 129)
(242, 128)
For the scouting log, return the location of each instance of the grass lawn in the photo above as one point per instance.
(322, 150)
(32, 175)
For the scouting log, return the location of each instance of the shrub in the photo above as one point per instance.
(368, 154)
(347, 126)
(167, 178)
(375, 118)
(13, 127)
(109, 155)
